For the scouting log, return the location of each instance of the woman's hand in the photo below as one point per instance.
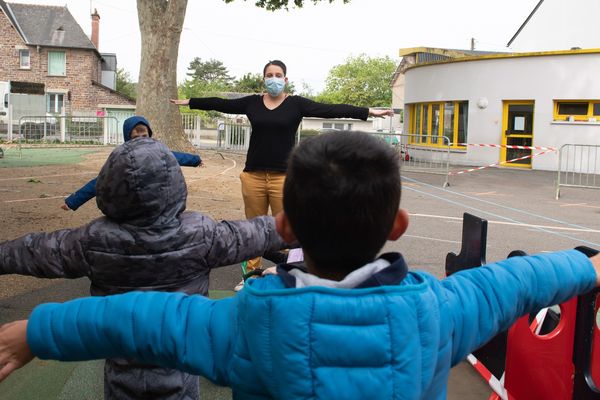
(373, 112)
(14, 350)
(182, 102)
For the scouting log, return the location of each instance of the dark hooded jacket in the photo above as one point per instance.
(145, 241)
(88, 191)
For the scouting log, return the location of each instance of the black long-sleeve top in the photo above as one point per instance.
(274, 131)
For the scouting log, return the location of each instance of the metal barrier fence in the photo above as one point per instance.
(65, 129)
(578, 166)
(414, 157)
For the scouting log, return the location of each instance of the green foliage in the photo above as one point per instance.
(211, 72)
(290, 88)
(249, 83)
(273, 5)
(361, 81)
(125, 84)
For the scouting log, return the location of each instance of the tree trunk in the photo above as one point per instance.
(161, 23)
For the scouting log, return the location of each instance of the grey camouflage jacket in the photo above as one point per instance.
(145, 241)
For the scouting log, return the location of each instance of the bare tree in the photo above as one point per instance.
(161, 23)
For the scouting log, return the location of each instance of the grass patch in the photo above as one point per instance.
(42, 156)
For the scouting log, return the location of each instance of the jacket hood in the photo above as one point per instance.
(131, 122)
(141, 184)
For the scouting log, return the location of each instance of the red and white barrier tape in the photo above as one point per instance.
(508, 146)
(501, 162)
(495, 383)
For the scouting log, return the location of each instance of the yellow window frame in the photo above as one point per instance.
(565, 117)
(433, 139)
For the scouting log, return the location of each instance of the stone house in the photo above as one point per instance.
(58, 54)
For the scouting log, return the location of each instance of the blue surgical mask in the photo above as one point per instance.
(275, 86)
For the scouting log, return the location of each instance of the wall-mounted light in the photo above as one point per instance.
(482, 103)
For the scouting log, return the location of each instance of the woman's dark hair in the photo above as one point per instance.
(341, 196)
(278, 63)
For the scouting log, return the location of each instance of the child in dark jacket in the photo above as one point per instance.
(353, 326)
(145, 241)
(133, 127)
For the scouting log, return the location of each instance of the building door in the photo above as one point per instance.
(517, 128)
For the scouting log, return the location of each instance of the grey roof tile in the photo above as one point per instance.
(52, 26)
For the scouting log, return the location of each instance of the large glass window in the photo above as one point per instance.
(416, 129)
(430, 122)
(463, 119)
(449, 120)
(425, 125)
(576, 110)
(57, 61)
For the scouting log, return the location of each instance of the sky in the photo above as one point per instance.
(311, 40)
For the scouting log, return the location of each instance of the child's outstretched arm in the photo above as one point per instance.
(55, 254)
(88, 191)
(187, 159)
(190, 333)
(14, 350)
(236, 241)
(487, 300)
(81, 196)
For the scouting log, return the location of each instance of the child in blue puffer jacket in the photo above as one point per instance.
(133, 127)
(351, 326)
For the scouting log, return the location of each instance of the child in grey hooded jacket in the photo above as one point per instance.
(144, 241)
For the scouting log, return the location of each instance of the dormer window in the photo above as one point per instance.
(24, 59)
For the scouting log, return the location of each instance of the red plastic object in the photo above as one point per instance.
(541, 367)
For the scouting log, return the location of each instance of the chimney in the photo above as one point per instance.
(96, 29)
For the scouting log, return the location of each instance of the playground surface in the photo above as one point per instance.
(518, 204)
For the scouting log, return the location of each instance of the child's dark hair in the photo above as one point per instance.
(341, 196)
(278, 63)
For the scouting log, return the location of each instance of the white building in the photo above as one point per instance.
(320, 124)
(544, 99)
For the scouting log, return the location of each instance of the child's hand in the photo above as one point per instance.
(183, 102)
(14, 350)
(65, 207)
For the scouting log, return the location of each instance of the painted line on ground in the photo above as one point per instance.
(522, 225)
(585, 205)
(230, 168)
(431, 238)
(528, 213)
(463, 205)
(34, 199)
(220, 173)
(46, 176)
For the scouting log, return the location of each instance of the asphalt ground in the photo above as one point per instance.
(518, 204)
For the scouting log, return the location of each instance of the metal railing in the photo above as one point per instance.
(433, 158)
(578, 166)
(80, 130)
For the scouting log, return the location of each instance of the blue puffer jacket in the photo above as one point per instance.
(88, 191)
(276, 342)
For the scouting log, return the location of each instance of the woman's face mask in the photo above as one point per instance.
(275, 85)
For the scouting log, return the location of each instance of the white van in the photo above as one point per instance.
(4, 101)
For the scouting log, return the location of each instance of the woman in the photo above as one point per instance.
(274, 117)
